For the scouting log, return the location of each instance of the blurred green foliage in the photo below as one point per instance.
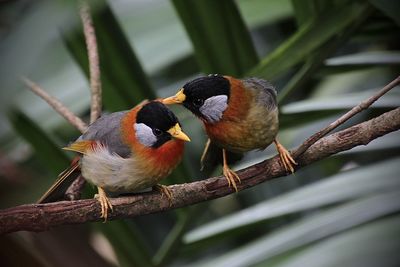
(323, 56)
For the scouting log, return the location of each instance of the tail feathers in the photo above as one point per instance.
(65, 179)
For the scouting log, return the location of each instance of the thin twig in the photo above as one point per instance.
(74, 190)
(40, 217)
(94, 65)
(357, 109)
(56, 105)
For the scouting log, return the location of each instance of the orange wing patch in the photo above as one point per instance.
(80, 146)
(239, 101)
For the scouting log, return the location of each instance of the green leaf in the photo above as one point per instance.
(309, 37)
(221, 41)
(126, 242)
(354, 248)
(123, 80)
(352, 81)
(174, 239)
(306, 10)
(389, 7)
(337, 188)
(46, 149)
(296, 119)
(258, 13)
(344, 101)
(311, 229)
(366, 59)
(315, 61)
(303, 10)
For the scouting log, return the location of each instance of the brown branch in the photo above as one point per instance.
(355, 110)
(40, 217)
(56, 105)
(74, 191)
(94, 65)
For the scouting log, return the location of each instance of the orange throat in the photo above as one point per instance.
(157, 162)
(165, 158)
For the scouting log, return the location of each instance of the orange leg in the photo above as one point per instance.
(228, 173)
(104, 202)
(203, 156)
(286, 159)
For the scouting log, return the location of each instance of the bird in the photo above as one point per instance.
(239, 115)
(126, 151)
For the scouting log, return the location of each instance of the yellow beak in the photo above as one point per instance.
(177, 133)
(178, 98)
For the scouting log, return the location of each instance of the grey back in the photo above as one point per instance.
(107, 130)
(266, 91)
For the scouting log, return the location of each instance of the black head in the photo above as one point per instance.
(199, 90)
(154, 122)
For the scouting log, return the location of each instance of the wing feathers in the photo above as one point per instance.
(81, 146)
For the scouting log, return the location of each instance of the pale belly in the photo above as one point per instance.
(256, 132)
(116, 174)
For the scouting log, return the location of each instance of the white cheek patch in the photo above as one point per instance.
(145, 134)
(213, 108)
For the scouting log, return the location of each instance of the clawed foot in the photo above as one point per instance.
(164, 190)
(104, 203)
(230, 175)
(286, 159)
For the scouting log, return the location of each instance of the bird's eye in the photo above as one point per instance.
(198, 102)
(157, 132)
